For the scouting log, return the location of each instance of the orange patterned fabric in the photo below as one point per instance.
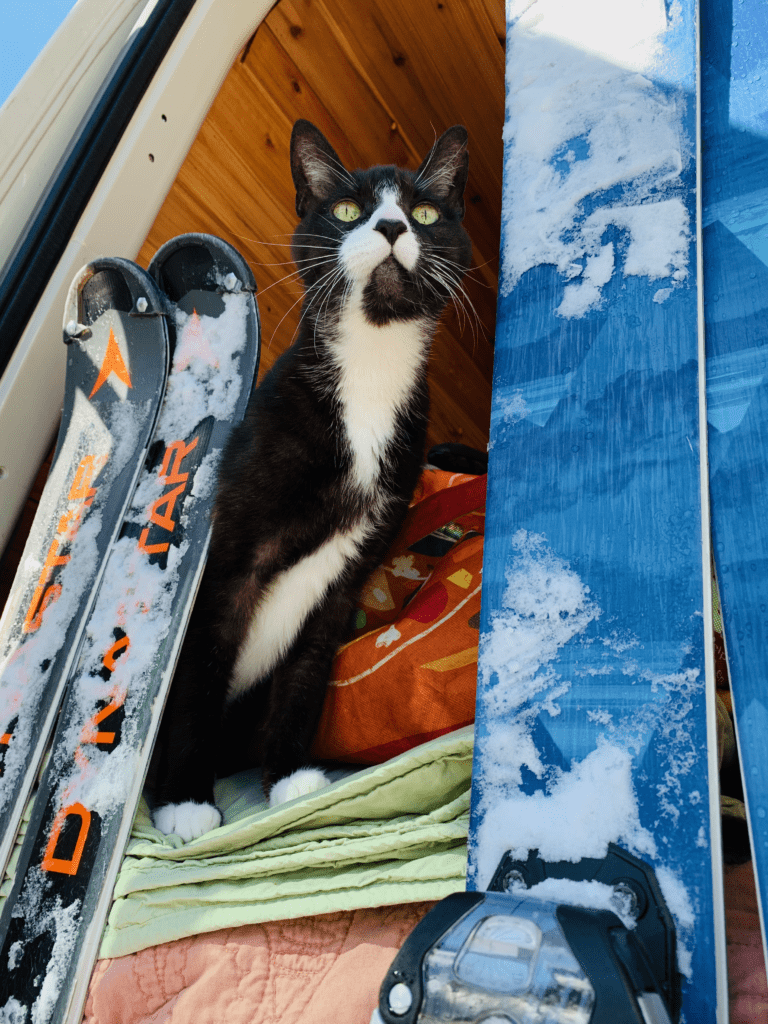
(409, 673)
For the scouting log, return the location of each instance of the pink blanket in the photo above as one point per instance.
(329, 968)
(307, 971)
(746, 966)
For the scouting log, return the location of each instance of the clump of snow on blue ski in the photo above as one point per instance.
(582, 120)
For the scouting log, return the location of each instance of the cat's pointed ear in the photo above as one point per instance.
(315, 167)
(444, 169)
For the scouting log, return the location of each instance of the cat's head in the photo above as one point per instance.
(388, 235)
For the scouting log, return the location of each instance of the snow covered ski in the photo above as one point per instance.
(52, 921)
(117, 361)
(596, 703)
(735, 244)
(595, 792)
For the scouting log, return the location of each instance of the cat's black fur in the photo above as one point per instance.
(294, 472)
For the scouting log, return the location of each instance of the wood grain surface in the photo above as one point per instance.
(382, 81)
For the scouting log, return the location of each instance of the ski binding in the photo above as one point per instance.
(509, 956)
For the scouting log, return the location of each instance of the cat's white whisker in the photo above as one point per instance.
(277, 328)
(461, 296)
(464, 303)
(324, 299)
(318, 296)
(428, 160)
(306, 264)
(287, 277)
(343, 173)
(312, 234)
(448, 277)
(308, 259)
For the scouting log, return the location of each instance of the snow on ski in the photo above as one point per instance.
(117, 360)
(735, 244)
(52, 921)
(595, 715)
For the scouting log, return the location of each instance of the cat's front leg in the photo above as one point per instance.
(189, 820)
(297, 693)
(183, 798)
(302, 782)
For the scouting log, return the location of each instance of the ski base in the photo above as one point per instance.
(52, 922)
(516, 953)
(117, 360)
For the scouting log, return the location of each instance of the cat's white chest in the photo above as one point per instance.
(378, 369)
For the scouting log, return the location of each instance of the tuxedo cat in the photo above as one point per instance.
(316, 480)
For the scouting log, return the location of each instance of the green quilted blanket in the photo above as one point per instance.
(395, 833)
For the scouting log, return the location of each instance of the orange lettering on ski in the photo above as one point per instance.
(108, 661)
(90, 733)
(113, 363)
(170, 470)
(167, 502)
(80, 491)
(151, 549)
(42, 597)
(64, 865)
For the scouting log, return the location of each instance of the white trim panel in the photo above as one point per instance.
(121, 210)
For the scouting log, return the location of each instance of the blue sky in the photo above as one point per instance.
(24, 29)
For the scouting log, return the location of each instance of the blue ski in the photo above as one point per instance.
(735, 243)
(596, 691)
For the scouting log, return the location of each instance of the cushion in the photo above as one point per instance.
(409, 673)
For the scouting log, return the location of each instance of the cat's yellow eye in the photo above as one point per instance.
(425, 213)
(347, 210)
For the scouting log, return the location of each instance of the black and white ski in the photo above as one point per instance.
(52, 922)
(117, 362)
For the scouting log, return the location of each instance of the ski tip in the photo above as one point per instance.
(109, 282)
(200, 262)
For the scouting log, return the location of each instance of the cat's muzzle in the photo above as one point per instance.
(388, 278)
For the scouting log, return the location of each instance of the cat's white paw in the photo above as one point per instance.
(301, 783)
(189, 820)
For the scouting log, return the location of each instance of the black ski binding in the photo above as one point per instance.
(506, 957)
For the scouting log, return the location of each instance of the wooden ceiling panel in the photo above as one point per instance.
(495, 15)
(429, 65)
(381, 80)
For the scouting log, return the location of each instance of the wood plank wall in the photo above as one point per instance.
(380, 78)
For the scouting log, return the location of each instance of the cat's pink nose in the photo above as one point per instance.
(391, 229)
